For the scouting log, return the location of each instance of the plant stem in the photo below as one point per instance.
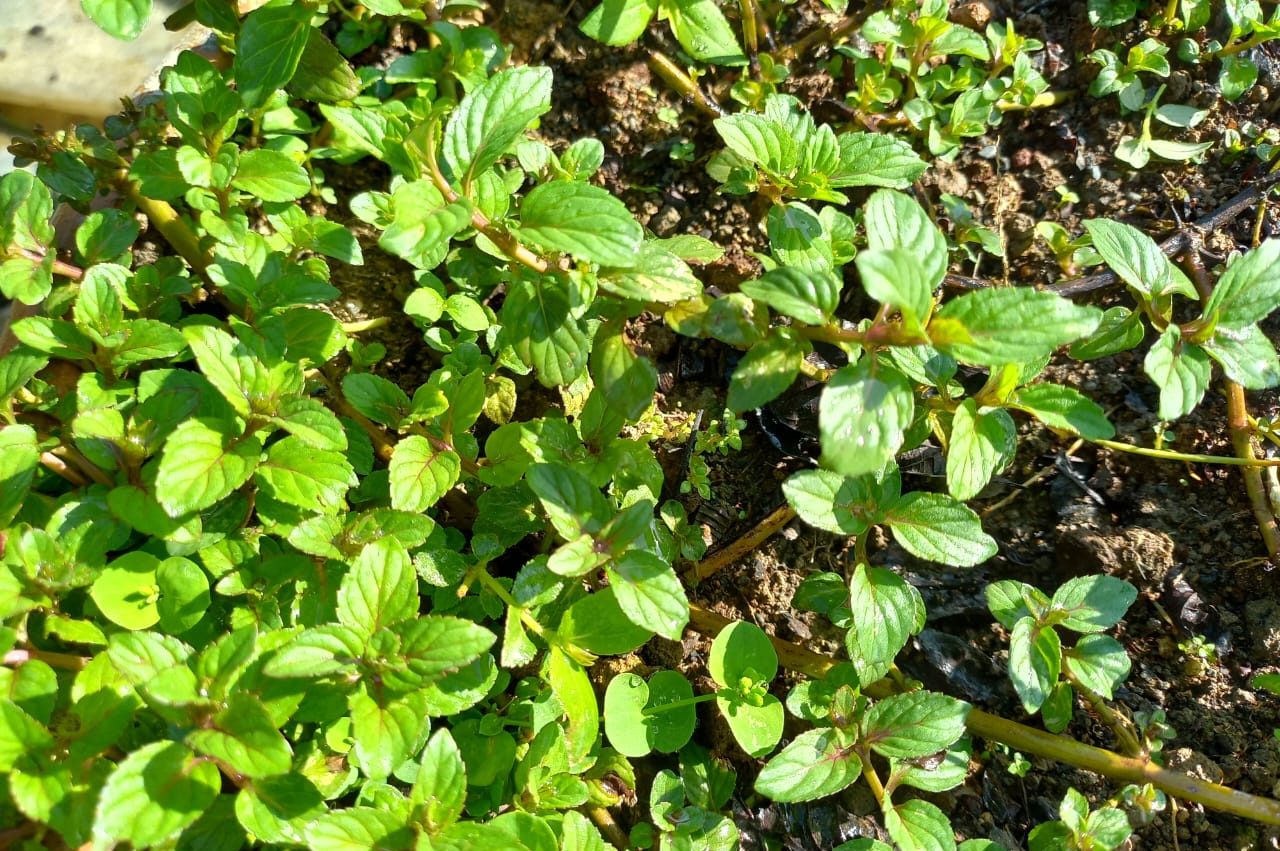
(612, 831)
(1120, 725)
(680, 704)
(496, 588)
(65, 661)
(873, 779)
(1189, 457)
(749, 31)
(726, 556)
(675, 78)
(66, 270)
(825, 35)
(169, 223)
(1036, 742)
(365, 325)
(1242, 440)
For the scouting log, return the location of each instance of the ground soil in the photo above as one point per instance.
(1183, 535)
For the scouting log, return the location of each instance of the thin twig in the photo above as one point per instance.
(612, 831)
(726, 556)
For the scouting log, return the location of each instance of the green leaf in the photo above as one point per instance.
(153, 794)
(435, 645)
(885, 611)
(244, 737)
(649, 593)
(1100, 662)
(894, 220)
(918, 825)
(317, 652)
(766, 370)
(583, 220)
(278, 809)
(301, 475)
(204, 460)
(914, 725)
(703, 31)
(1002, 325)
(1064, 408)
(491, 117)
(1093, 603)
(268, 48)
(760, 141)
(358, 829)
(876, 159)
(230, 366)
(627, 381)
(573, 505)
(441, 785)
(936, 527)
(312, 423)
(598, 624)
(421, 473)
(271, 176)
(633, 722)
(832, 502)
(387, 734)
(541, 322)
(19, 459)
(323, 75)
(982, 444)
(656, 275)
(818, 763)
(20, 735)
(809, 297)
(122, 19)
(380, 589)
(863, 414)
(1007, 600)
(619, 22)
(1237, 76)
(1120, 331)
(1035, 660)
(423, 223)
(742, 650)
(1181, 371)
(1250, 288)
(756, 728)
(377, 398)
(125, 591)
(895, 276)
(184, 594)
(1246, 356)
(1137, 259)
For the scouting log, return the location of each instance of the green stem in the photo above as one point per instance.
(675, 78)
(1189, 457)
(365, 325)
(680, 704)
(482, 576)
(1121, 726)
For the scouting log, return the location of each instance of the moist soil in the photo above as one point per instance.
(1183, 535)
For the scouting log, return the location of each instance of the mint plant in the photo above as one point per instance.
(1043, 671)
(266, 582)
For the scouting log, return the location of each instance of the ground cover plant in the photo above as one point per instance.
(426, 559)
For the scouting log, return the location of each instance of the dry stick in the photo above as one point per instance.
(679, 80)
(726, 556)
(1174, 245)
(1037, 742)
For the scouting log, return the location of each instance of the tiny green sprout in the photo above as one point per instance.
(1198, 648)
(1066, 195)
